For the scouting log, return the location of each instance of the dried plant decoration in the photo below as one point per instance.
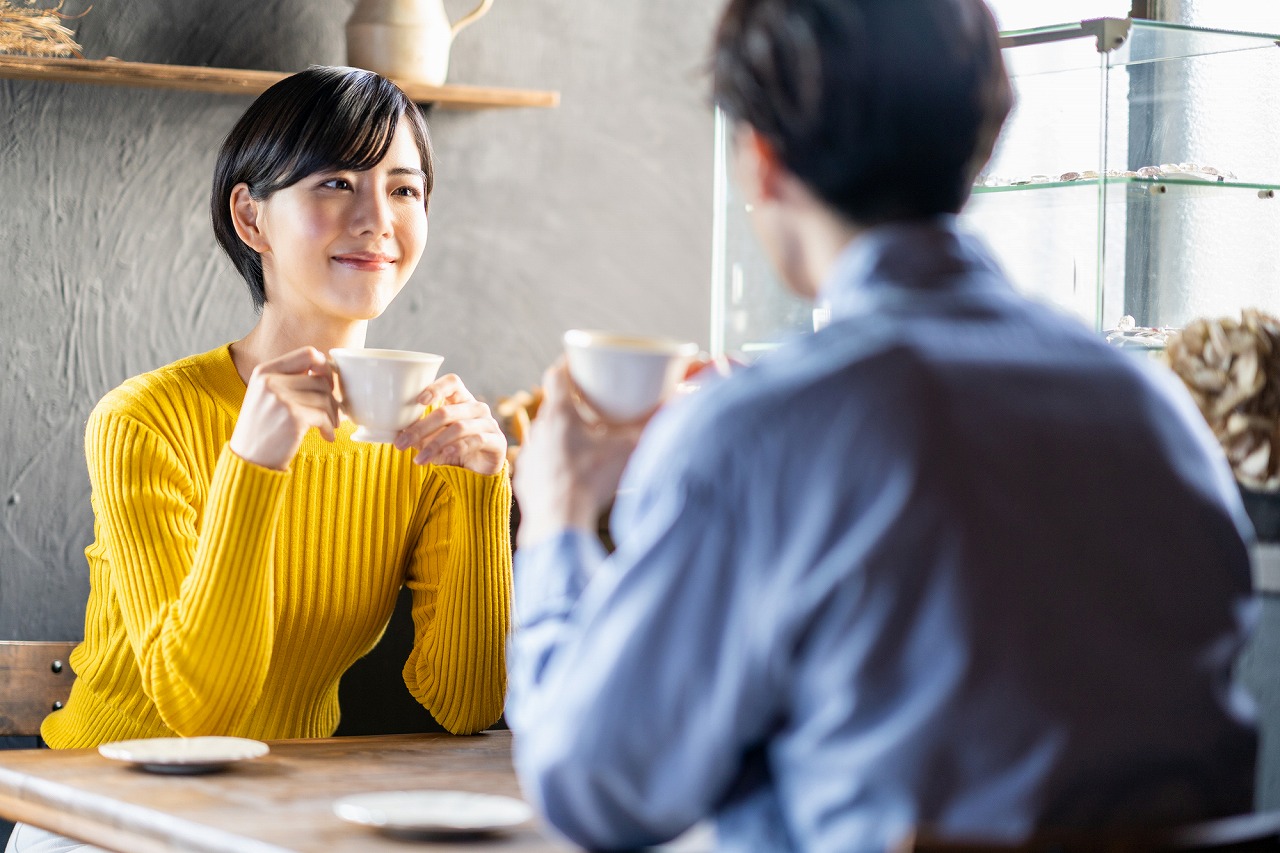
(36, 32)
(515, 413)
(1232, 369)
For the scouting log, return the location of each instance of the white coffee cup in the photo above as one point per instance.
(625, 377)
(380, 389)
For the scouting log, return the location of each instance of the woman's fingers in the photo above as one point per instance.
(310, 411)
(311, 391)
(445, 390)
(460, 431)
(419, 431)
(302, 360)
(286, 397)
(461, 436)
(457, 451)
(454, 435)
(321, 401)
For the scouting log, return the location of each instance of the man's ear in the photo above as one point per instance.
(246, 213)
(760, 169)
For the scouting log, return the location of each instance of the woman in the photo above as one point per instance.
(246, 550)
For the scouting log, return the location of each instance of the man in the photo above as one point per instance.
(950, 562)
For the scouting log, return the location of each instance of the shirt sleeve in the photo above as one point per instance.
(460, 580)
(635, 689)
(195, 585)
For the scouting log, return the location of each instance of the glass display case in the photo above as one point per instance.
(1134, 185)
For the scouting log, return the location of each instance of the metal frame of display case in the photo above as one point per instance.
(1109, 33)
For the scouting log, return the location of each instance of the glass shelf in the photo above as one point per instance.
(1076, 46)
(1154, 41)
(1139, 188)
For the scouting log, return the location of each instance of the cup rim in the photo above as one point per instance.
(392, 354)
(623, 342)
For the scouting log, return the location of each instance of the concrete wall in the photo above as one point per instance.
(597, 213)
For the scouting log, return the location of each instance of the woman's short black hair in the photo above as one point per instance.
(324, 118)
(885, 109)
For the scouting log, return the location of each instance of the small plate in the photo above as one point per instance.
(179, 755)
(433, 813)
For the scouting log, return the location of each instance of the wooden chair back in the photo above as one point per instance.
(35, 678)
(1239, 834)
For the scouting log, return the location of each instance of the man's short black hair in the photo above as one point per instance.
(885, 109)
(324, 118)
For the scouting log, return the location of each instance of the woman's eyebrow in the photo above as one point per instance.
(408, 170)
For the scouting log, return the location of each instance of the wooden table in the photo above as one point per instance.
(281, 802)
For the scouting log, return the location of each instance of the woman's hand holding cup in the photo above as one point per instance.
(285, 397)
(383, 392)
(460, 431)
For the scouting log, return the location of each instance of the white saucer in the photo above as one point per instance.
(433, 813)
(184, 754)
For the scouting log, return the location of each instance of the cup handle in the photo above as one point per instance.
(470, 18)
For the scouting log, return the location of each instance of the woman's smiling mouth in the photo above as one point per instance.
(366, 261)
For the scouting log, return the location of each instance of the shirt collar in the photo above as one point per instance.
(906, 260)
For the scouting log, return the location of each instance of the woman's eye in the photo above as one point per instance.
(408, 190)
(337, 184)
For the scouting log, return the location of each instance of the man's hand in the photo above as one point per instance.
(569, 466)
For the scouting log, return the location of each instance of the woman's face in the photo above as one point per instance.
(339, 245)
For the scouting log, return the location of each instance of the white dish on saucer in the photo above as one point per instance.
(433, 813)
(178, 755)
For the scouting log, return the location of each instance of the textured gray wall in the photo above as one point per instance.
(597, 213)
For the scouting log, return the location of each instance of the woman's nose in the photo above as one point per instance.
(372, 214)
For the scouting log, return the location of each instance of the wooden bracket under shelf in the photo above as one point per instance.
(235, 81)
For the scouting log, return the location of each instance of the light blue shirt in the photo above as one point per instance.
(952, 561)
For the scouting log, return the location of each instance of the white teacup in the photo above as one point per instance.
(625, 377)
(380, 389)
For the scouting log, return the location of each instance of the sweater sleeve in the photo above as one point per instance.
(460, 579)
(195, 588)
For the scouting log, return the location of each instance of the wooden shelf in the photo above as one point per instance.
(234, 81)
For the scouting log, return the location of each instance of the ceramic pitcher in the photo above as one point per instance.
(406, 40)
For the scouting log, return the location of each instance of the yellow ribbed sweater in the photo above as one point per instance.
(229, 599)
